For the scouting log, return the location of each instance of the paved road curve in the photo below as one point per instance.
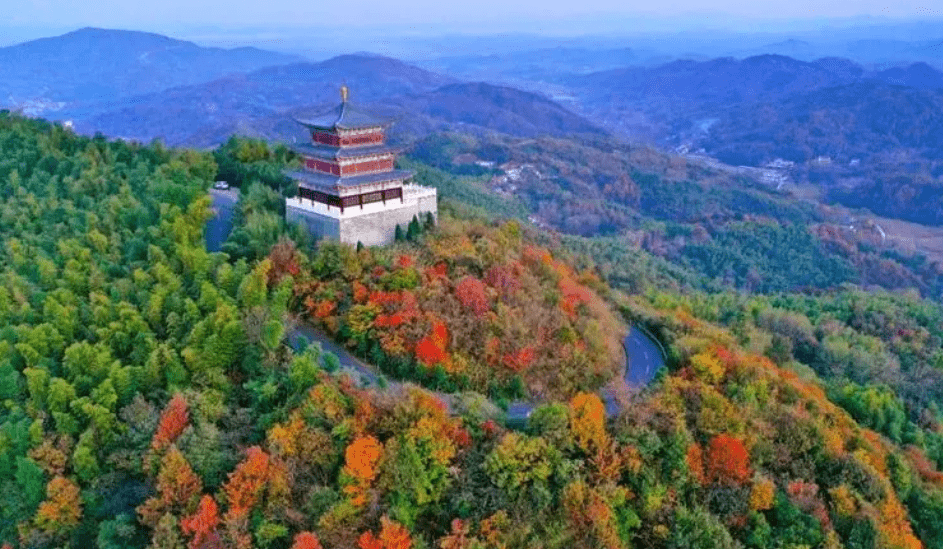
(643, 361)
(643, 358)
(220, 225)
(307, 333)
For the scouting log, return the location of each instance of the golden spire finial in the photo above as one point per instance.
(344, 93)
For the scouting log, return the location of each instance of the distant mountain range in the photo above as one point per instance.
(144, 86)
(262, 103)
(867, 125)
(92, 66)
(707, 103)
(258, 103)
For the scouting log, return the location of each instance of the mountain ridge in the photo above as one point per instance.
(94, 65)
(259, 104)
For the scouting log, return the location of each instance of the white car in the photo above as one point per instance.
(221, 185)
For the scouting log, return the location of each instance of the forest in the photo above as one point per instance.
(726, 229)
(149, 400)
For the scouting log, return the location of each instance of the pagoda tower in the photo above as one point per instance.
(349, 189)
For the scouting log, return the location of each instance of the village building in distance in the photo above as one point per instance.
(349, 189)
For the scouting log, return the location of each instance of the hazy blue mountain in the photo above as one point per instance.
(95, 65)
(262, 104)
(499, 108)
(205, 114)
(718, 81)
(917, 75)
(546, 64)
(866, 119)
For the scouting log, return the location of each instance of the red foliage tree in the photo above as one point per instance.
(458, 538)
(202, 524)
(284, 259)
(389, 321)
(361, 293)
(431, 349)
(727, 460)
(573, 294)
(306, 540)
(323, 308)
(471, 293)
(438, 272)
(519, 360)
(503, 279)
(173, 421)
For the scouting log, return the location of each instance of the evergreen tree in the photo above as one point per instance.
(414, 230)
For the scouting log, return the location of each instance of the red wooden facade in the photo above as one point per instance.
(325, 138)
(335, 140)
(375, 138)
(323, 166)
(370, 166)
(355, 168)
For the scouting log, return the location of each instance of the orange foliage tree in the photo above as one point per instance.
(392, 536)
(695, 461)
(727, 460)
(177, 488)
(895, 530)
(202, 524)
(173, 421)
(362, 457)
(459, 537)
(62, 509)
(761, 496)
(591, 516)
(306, 540)
(245, 484)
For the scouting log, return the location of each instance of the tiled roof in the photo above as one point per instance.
(326, 151)
(325, 181)
(344, 117)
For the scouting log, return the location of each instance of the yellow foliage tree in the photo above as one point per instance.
(588, 421)
(62, 509)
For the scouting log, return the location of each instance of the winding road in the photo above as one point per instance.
(643, 361)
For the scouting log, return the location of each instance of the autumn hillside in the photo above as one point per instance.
(466, 305)
(148, 398)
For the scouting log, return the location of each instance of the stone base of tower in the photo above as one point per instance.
(373, 224)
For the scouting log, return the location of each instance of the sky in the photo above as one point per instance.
(423, 16)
